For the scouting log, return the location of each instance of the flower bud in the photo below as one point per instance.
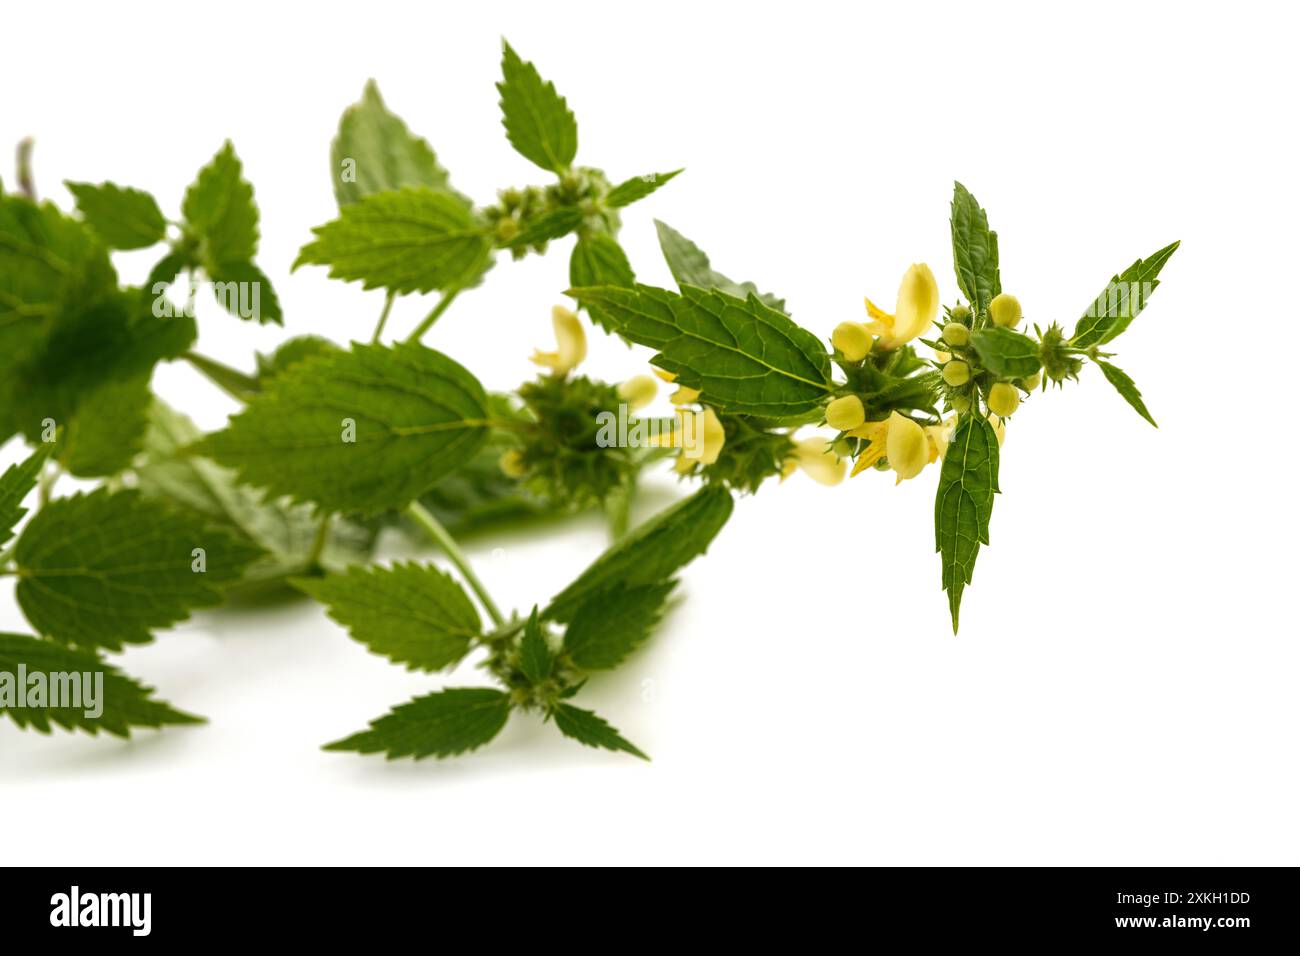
(956, 373)
(959, 402)
(638, 391)
(852, 340)
(1032, 382)
(959, 313)
(1003, 399)
(1004, 310)
(512, 464)
(845, 413)
(956, 334)
(942, 357)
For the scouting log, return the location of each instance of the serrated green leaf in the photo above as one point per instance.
(1120, 302)
(374, 152)
(964, 503)
(538, 121)
(289, 353)
(605, 630)
(651, 554)
(637, 188)
(285, 531)
(243, 290)
(599, 260)
(1125, 386)
(219, 209)
(745, 357)
(165, 271)
(443, 724)
(535, 657)
(591, 730)
(1006, 353)
(415, 417)
(123, 218)
(974, 250)
(108, 430)
(690, 266)
(122, 702)
(15, 484)
(106, 569)
(408, 240)
(413, 614)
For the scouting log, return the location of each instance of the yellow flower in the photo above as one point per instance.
(817, 460)
(638, 391)
(906, 444)
(999, 428)
(918, 304)
(669, 377)
(1003, 399)
(1004, 310)
(845, 413)
(852, 339)
(699, 435)
(571, 343)
(684, 396)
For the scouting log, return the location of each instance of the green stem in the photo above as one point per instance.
(26, 181)
(444, 303)
(49, 478)
(318, 545)
(233, 382)
(383, 317)
(618, 508)
(421, 516)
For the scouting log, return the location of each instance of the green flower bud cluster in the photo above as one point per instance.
(582, 188)
(1059, 363)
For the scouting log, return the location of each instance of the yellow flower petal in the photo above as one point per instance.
(845, 413)
(907, 447)
(918, 304)
(819, 461)
(512, 464)
(570, 340)
(669, 377)
(999, 428)
(715, 436)
(684, 395)
(638, 391)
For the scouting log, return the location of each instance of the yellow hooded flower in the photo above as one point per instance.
(684, 396)
(817, 459)
(638, 391)
(852, 339)
(570, 340)
(918, 304)
(906, 444)
(699, 435)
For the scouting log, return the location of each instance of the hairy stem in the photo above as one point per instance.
(444, 303)
(421, 516)
(26, 181)
(383, 317)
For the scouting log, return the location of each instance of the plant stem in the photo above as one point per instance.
(618, 508)
(26, 182)
(383, 317)
(49, 478)
(318, 545)
(233, 382)
(444, 303)
(421, 516)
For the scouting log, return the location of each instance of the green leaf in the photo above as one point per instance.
(548, 226)
(15, 484)
(243, 290)
(289, 353)
(690, 266)
(974, 250)
(538, 122)
(123, 218)
(108, 429)
(374, 152)
(637, 188)
(480, 495)
(409, 240)
(366, 430)
(745, 357)
(122, 702)
(606, 629)
(598, 260)
(443, 724)
(1006, 353)
(165, 271)
(535, 658)
(591, 730)
(1121, 301)
(1124, 385)
(651, 554)
(964, 503)
(285, 531)
(219, 210)
(412, 614)
(105, 569)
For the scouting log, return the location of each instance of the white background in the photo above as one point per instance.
(1123, 688)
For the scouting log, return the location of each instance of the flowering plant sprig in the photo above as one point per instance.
(333, 444)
